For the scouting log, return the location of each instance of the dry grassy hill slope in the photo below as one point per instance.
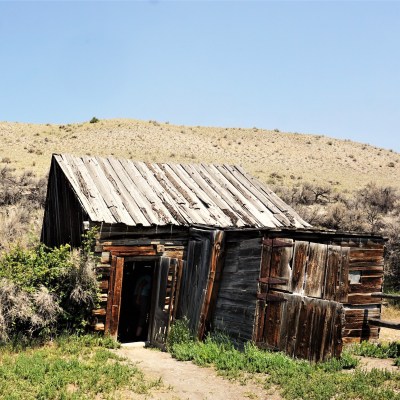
(273, 156)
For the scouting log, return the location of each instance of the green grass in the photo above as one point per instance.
(70, 368)
(340, 379)
(379, 350)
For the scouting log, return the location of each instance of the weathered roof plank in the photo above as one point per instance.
(138, 193)
(79, 187)
(96, 197)
(206, 205)
(117, 182)
(215, 199)
(260, 211)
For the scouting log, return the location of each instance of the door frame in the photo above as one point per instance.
(115, 290)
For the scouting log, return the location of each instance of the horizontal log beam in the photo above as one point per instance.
(273, 281)
(100, 312)
(383, 324)
(98, 327)
(386, 295)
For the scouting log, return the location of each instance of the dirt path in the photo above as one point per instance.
(184, 380)
(369, 363)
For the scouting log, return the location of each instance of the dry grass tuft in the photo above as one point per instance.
(19, 308)
(83, 279)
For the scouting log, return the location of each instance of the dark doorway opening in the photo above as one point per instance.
(136, 294)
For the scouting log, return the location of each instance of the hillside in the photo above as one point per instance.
(273, 156)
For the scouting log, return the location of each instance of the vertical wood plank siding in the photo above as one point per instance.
(236, 302)
(64, 215)
(297, 307)
(320, 270)
(195, 277)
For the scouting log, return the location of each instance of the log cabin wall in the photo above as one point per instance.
(199, 254)
(366, 269)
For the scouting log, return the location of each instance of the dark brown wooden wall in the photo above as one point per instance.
(301, 287)
(63, 216)
(236, 302)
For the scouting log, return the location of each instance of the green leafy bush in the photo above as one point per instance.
(44, 291)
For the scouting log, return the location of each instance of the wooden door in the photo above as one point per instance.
(301, 287)
(164, 299)
(114, 296)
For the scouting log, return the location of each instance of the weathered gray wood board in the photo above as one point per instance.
(236, 303)
(297, 310)
(308, 282)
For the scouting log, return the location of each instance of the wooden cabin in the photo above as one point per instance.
(212, 244)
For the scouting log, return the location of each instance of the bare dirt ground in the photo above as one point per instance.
(185, 380)
(369, 363)
(390, 314)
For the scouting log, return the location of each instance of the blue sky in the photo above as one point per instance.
(330, 68)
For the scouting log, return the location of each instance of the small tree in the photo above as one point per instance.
(392, 268)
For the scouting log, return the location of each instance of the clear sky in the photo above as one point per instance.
(330, 68)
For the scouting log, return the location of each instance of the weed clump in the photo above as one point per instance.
(179, 334)
(377, 350)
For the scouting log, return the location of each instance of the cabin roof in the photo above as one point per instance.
(134, 193)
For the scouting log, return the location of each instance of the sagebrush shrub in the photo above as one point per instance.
(44, 291)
